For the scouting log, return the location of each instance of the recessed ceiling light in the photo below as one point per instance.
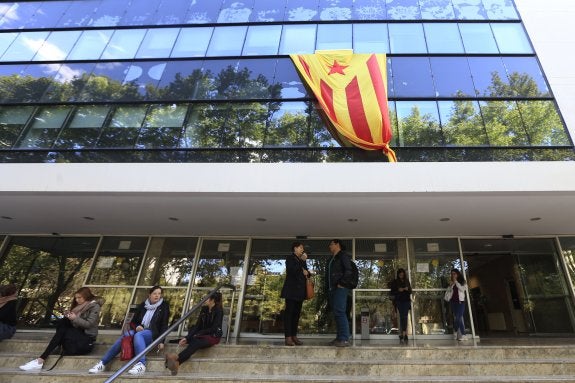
(261, 219)
(173, 219)
(352, 220)
(445, 219)
(6, 217)
(535, 219)
(89, 218)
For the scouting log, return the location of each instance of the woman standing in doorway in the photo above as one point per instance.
(401, 291)
(455, 295)
(293, 291)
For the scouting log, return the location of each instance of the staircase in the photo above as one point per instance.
(270, 361)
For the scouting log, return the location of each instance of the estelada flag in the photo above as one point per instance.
(352, 92)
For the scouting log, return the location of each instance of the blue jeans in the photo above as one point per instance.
(338, 301)
(458, 308)
(403, 307)
(141, 340)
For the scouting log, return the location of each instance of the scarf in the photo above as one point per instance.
(150, 310)
(79, 309)
(6, 299)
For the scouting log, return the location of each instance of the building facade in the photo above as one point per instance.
(172, 142)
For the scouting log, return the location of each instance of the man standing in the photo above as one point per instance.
(338, 276)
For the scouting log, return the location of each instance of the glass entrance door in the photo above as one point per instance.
(517, 287)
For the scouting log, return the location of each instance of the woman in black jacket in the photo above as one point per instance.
(8, 299)
(205, 333)
(401, 291)
(293, 291)
(149, 322)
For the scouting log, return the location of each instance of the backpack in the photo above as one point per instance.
(354, 275)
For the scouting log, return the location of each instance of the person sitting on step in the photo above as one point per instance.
(76, 332)
(205, 333)
(8, 317)
(149, 321)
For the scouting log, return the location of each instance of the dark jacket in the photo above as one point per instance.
(8, 313)
(400, 296)
(208, 323)
(339, 270)
(159, 322)
(294, 284)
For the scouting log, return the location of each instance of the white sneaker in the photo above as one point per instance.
(31, 366)
(463, 337)
(99, 367)
(138, 369)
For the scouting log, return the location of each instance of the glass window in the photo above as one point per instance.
(124, 44)
(406, 38)
(227, 41)
(543, 123)
(183, 80)
(172, 12)
(140, 13)
(34, 82)
(412, 77)
(215, 266)
(11, 82)
(525, 77)
(17, 15)
(267, 11)
(461, 123)
(78, 14)
(511, 38)
(109, 13)
(203, 11)
(169, 262)
(441, 255)
(436, 10)
(254, 78)
(418, 123)
(118, 261)
(44, 127)
(503, 123)
(68, 82)
(84, 127)
(158, 43)
(234, 11)
(12, 120)
(369, 10)
(403, 10)
(262, 40)
(162, 126)
(144, 76)
(47, 270)
(334, 36)
(57, 45)
(452, 77)
(107, 83)
(489, 76)
(47, 14)
(370, 38)
(123, 128)
(25, 46)
(298, 39)
(288, 80)
(443, 38)
(301, 10)
(192, 42)
(5, 40)
(500, 10)
(469, 10)
(335, 9)
(478, 38)
(90, 45)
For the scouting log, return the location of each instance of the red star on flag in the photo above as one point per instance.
(337, 68)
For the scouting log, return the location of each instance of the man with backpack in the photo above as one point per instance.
(340, 280)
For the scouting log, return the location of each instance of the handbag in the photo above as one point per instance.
(127, 346)
(309, 288)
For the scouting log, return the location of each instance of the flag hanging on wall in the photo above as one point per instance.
(352, 92)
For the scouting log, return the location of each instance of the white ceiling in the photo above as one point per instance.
(287, 214)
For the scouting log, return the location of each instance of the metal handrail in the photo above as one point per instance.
(159, 339)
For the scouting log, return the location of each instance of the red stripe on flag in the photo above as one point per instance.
(356, 111)
(380, 94)
(327, 98)
(305, 66)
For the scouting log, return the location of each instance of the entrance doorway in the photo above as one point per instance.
(516, 287)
